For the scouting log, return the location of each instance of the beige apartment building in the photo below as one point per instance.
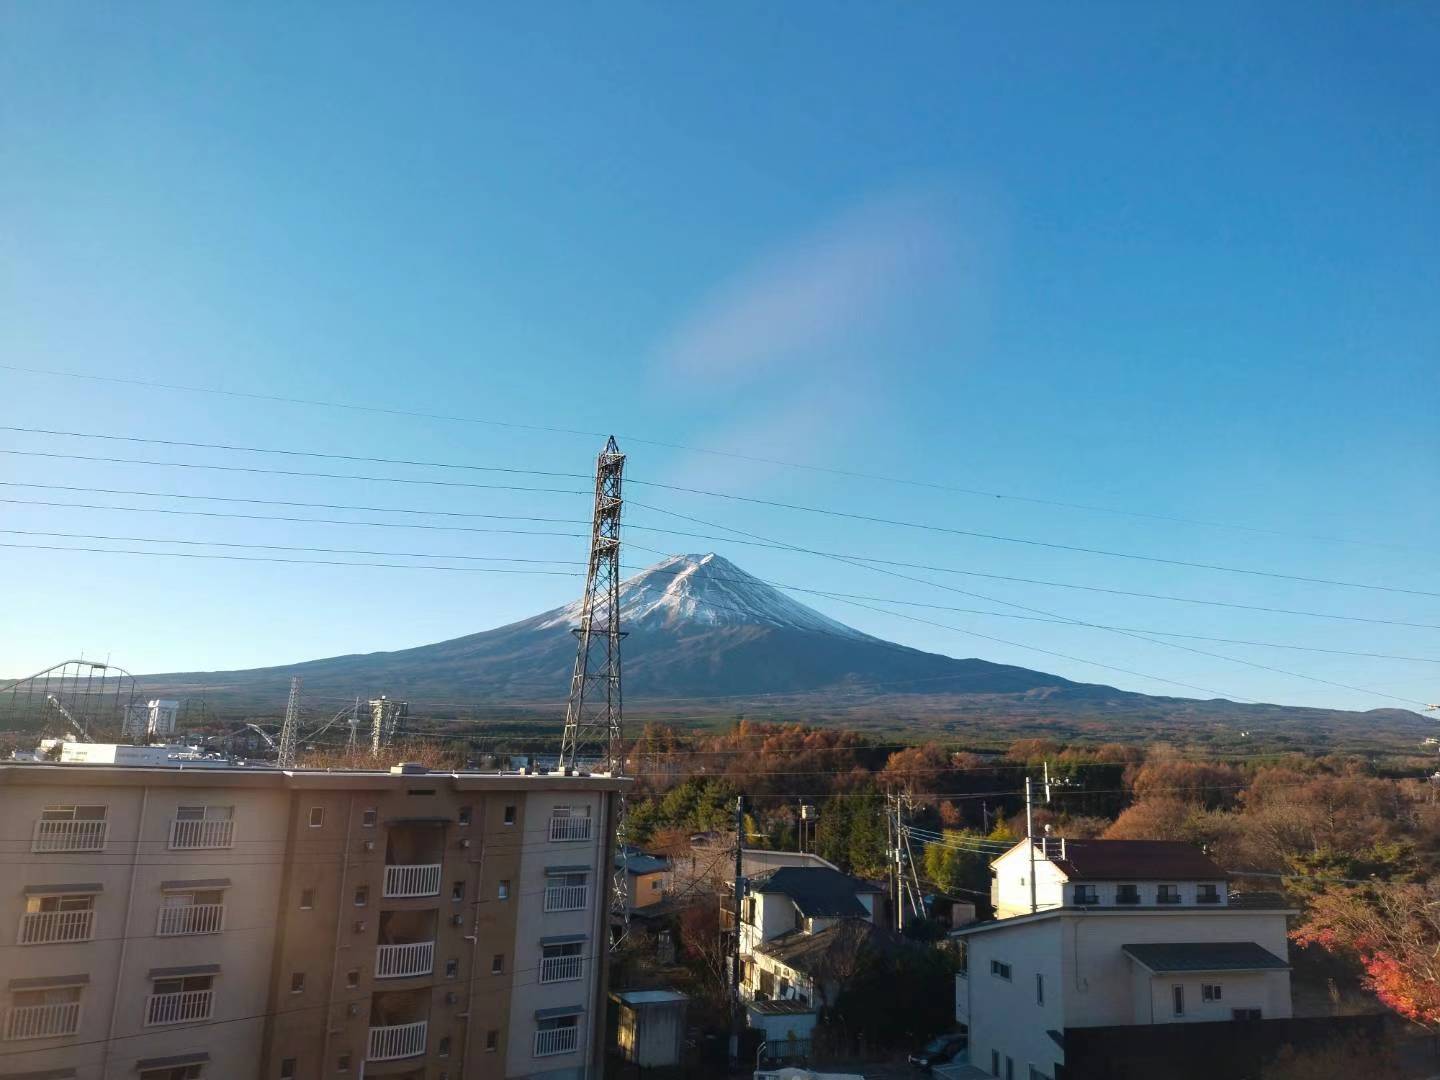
(260, 924)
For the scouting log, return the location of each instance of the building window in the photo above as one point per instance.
(362, 895)
(1245, 1014)
(452, 968)
(342, 1063)
(59, 918)
(497, 964)
(36, 1014)
(70, 828)
(509, 815)
(317, 816)
(180, 1000)
(297, 982)
(1086, 894)
(457, 891)
(1127, 894)
(444, 1049)
(191, 911)
(465, 813)
(557, 1035)
(198, 827)
(1177, 1003)
(1207, 894)
(352, 978)
(1210, 992)
(287, 1069)
(368, 817)
(999, 970)
(561, 963)
(503, 891)
(307, 899)
(1039, 989)
(175, 1072)
(1168, 894)
(492, 1041)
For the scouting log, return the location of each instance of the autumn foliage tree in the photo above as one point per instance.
(1394, 931)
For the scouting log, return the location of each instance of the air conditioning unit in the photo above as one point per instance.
(359, 926)
(457, 920)
(465, 842)
(352, 1009)
(368, 845)
(451, 998)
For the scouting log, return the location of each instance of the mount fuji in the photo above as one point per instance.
(706, 638)
(697, 626)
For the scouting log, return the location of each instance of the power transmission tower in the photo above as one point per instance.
(290, 732)
(592, 714)
(593, 726)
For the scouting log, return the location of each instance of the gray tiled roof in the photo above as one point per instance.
(1175, 956)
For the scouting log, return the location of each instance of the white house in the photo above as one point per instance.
(1123, 932)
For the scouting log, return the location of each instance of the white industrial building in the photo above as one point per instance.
(1121, 933)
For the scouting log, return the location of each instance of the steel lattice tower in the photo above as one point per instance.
(290, 732)
(593, 728)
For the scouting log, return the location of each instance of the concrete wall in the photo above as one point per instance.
(1267, 991)
(1099, 988)
(1004, 1014)
(533, 923)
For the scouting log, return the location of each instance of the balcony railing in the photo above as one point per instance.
(1207, 898)
(194, 835)
(192, 919)
(42, 1021)
(551, 1041)
(86, 834)
(396, 1041)
(565, 897)
(412, 879)
(559, 968)
(398, 961)
(569, 828)
(1167, 898)
(181, 1007)
(52, 927)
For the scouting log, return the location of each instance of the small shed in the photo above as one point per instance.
(651, 1026)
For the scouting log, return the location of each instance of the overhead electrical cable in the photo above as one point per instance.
(730, 454)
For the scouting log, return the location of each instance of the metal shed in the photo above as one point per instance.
(651, 1027)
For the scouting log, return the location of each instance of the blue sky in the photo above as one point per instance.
(1176, 261)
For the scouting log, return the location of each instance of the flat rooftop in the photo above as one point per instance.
(35, 774)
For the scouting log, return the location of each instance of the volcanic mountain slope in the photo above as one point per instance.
(701, 629)
(697, 626)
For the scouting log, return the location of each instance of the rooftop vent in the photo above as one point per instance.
(408, 768)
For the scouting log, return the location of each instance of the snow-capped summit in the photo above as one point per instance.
(706, 590)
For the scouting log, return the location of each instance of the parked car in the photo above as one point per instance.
(939, 1050)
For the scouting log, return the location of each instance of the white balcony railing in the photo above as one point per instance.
(413, 879)
(52, 927)
(191, 919)
(565, 897)
(569, 828)
(87, 834)
(396, 1041)
(559, 968)
(398, 961)
(196, 835)
(550, 1041)
(181, 1007)
(42, 1021)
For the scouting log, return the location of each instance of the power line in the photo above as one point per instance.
(849, 515)
(730, 454)
(1329, 616)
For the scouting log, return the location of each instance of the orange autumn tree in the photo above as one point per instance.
(1394, 931)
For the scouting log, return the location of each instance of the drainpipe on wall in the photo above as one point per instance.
(125, 932)
(339, 921)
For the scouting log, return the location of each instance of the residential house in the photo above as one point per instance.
(1123, 932)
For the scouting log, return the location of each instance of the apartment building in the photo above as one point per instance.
(176, 923)
(1123, 933)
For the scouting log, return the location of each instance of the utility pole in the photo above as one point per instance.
(354, 725)
(1030, 843)
(736, 1012)
(290, 731)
